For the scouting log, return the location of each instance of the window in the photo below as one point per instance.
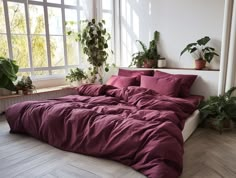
(107, 14)
(33, 33)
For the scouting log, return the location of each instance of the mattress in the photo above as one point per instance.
(190, 125)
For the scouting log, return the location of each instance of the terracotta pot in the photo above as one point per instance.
(225, 125)
(200, 64)
(149, 63)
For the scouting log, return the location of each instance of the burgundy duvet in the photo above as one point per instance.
(134, 126)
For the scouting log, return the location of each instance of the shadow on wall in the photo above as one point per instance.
(179, 23)
(135, 18)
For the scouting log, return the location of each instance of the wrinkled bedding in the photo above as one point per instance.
(135, 126)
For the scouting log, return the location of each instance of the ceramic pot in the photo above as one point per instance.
(161, 63)
(149, 63)
(4, 92)
(200, 64)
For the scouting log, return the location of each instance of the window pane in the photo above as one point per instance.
(58, 72)
(40, 73)
(55, 21)
(2, 19)
(37, 23)
(21, 74)
(39, 51)
(55, 1)
(82, 15)
(108, 19)
(57, 51)
(20, 50)
(17, 17)
(72, 51)
(4, 47)
(71, 16)
(70, 2)
(107, 4)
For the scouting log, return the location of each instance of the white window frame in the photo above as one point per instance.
(45, 80)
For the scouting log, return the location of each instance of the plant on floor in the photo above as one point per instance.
(148, 56)
(76, 74)
(25, 84)
(200, 52)
(8, 71)
(220, 110)
(94, 39)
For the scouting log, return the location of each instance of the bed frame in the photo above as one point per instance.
(206, 85)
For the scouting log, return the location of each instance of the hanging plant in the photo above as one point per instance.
(94, 40)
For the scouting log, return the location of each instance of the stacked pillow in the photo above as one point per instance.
(174, 85)
(186, 81)
(127, 78)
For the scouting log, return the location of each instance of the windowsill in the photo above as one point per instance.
(41, 90)
(170, 68)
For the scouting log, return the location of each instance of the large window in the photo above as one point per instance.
(32, 32)
(107, 14)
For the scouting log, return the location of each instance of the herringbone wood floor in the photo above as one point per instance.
(210, 155)
(207, 155)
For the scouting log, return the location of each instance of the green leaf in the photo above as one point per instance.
(193, 50)
(144, 47)
(203, 41)
(188, 48)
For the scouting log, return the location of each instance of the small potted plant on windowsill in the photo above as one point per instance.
(200, 52)
(148, 56)
(76, 76)
(219, 112)
(25, 85)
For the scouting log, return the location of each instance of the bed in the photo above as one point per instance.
(133, 125)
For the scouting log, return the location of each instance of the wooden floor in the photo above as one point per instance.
(207, 155)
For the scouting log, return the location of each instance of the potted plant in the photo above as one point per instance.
(25, 85)
(148, 56)
(8, 71)
(219, 111)
(200, 52)
(94, 39)
(76, 76)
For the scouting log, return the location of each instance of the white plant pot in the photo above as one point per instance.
(4, 92)
(161, 63)
(76, 83)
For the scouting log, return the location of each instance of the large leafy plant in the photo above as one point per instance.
(94, 39)
(8, 71)
(150, 53)
(221, 108)
(200, 51)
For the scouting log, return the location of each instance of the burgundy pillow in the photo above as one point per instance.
(121, 81)
(186, 81)
(135, 73)
(166, 86)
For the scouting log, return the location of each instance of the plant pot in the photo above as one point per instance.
(149, 63)
(161, 63)
(76, 83)
(200, 64)
(4, 92)
(25, 91)
(224, 125)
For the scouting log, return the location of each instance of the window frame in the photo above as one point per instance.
(97, 11)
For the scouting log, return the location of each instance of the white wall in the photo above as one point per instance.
(179, 23)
